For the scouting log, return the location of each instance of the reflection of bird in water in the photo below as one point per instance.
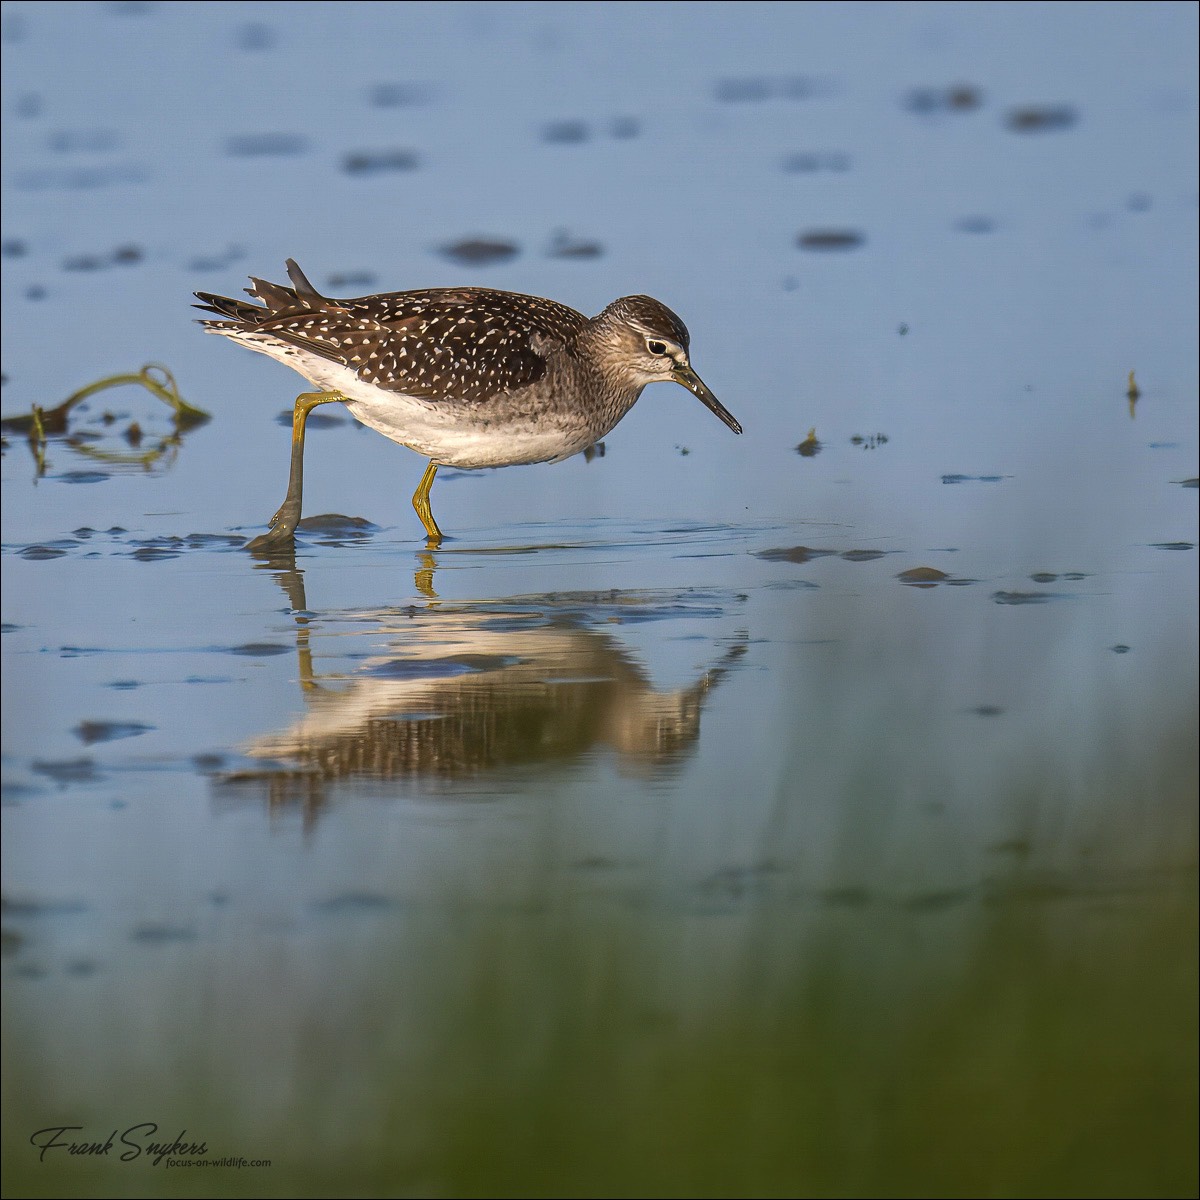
(468, 377)
(472, 690)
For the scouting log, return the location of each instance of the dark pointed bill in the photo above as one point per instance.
(695, 385)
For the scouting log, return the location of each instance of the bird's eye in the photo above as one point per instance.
(656, 347)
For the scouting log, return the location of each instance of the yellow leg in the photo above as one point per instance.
(421, 504)
(283, 523)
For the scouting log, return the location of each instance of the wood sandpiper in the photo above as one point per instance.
(468, 377)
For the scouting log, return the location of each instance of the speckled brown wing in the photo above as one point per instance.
(465, 344)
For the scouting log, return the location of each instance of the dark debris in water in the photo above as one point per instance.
(755, 89)
(830, 239)
(809, 162)
(956, 98)
(1040, 118)
(871, 441)
(79, 179)
(380, 162)
(397, 95)
(793, 554)
(480, 252)
(563, 245)
(90, 732)
(1172, 545)
(254, 37)
(1003, 597)
(261, 145)
(975, 478)
(257, 649)
(975, 224)
(565, 133)
(928, 577)
(65, 771)
(1194, 482)
(1120, 648)
(986, 710)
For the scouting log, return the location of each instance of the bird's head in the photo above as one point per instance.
(648, 343)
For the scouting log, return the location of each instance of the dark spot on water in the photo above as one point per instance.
(208, 679)
(68, 770)
(742, 91)
(1194, 482)
(958, 97)
(78, 179)
(9, 627)
(1163, 445)
(82, 477)
(1172, 545)
(565, 133)
(206, 763)
(1074, 575)
(829, 239)
(81, 968)
(1120, 648)
(258, 649)
(479, 252)
(379, 162)
(1044, 577)
(13, 248)
(624, 127)
(923, 576)
(124, 685)
(975, 225)
(397, 95)
(869, 442)
(1034, 118)
(253, 145)
(28, 106)
(200, 541)
(10, 941)
(126, 256)
(563, 245)
(86, 141)
(810, 162)
(90, 732)
(154, 553)
(986, 710)
(793, 554)
(347, 279)
(254, 37)
(864, 555)
(35, 293)
(37, 553)
(83, 262)
(1025, 597)
(974, 478)
(1139, 202)
(353, 902)
(161, 935)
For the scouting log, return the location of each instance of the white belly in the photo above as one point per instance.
(453, 434)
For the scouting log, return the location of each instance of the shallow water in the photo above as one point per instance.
(811, 812)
